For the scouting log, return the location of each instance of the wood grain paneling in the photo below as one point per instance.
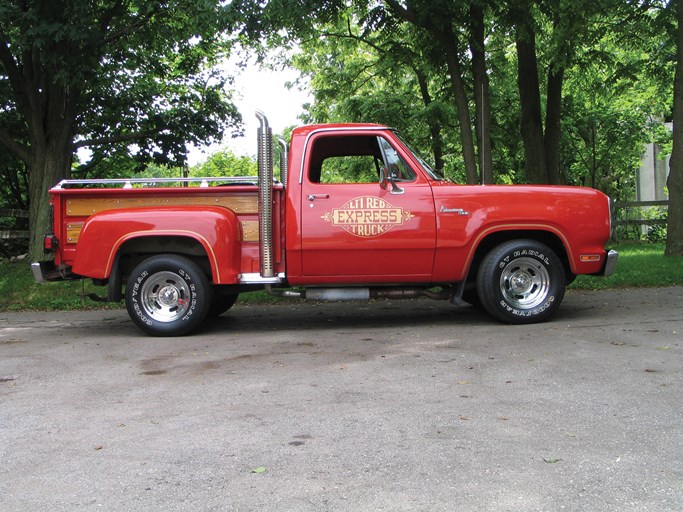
(84, 207)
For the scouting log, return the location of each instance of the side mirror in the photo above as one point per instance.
(386, 179)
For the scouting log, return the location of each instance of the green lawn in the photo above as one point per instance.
(639, 265)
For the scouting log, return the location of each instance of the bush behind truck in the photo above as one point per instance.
(356, 214)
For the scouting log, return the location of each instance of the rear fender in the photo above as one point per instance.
(216, 229)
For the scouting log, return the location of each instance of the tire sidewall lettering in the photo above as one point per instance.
(193, 301)
(529, 253)
(530, 313)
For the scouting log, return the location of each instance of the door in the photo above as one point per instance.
(357, 229)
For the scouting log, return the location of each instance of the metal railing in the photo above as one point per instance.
(153, 182)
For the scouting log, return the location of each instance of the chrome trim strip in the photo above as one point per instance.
(129, 182)
(255, 278)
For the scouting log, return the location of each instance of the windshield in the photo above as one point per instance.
(434, 174)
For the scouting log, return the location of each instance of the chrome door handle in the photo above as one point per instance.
(313, 197)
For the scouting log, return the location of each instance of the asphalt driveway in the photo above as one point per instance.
(392, 405)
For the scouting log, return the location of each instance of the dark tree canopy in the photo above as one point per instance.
(122, 77)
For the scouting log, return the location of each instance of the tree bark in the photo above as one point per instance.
(46, 169)
(52, 155)
(530, 100)
(434, 124)
(674, 239)
(450, 48)
(481, 93)
(553, 115)
(553, 107)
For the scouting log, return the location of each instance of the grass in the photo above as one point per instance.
(640, 265)
(19, 292)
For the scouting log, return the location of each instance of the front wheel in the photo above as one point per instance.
(167, 295)
(521, 282)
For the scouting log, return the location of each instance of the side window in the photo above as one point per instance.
(345, 158)
(351, 158)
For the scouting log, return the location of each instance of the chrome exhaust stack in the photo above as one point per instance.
(284, 160)
(265, 196)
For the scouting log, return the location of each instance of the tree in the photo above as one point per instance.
(547, 34)
(482, 119)
(437, 19)
(120, 76)
(674, 239)
(367, 67)
(225, 163)
(286, 21)
(529, 94)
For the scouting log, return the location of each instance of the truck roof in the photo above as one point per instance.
(305, 130)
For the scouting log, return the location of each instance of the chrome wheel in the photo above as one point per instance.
(165, 297)
(524, 283)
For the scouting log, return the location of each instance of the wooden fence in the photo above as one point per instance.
(623, 211)
(14, 233)
(11, 233)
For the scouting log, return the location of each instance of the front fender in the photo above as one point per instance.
(216, 229)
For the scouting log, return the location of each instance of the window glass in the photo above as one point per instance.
(433, 173)
(349, 169)
(355, 159)
(398, 168)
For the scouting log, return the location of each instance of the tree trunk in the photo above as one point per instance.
(49, 166)
(450, 47)
(50, 129)
(674, 239)
(553, 115)
(481, 93)
(434, 124)
(553, 107)
(442, 31)
(530, 101)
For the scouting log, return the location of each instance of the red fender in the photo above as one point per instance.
(215, 228)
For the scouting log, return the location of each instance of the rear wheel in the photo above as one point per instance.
(521, 282)
(167, 295)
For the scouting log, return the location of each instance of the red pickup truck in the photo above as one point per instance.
(355, 214)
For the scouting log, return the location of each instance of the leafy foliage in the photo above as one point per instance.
(225, 163)
(130, 79)
(367, 64)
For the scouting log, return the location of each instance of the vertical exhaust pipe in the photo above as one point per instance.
(265, 196)
(284, 160)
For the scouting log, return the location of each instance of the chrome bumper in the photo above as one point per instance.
(610, 263)
(38, 269)
(44, 271)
